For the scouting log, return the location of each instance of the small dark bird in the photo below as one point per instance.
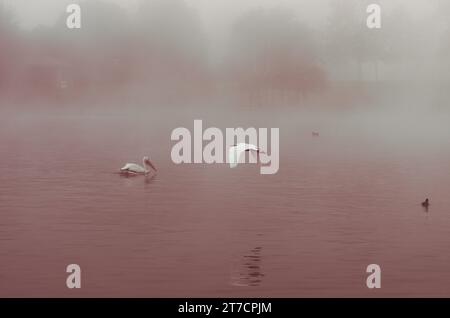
(426, 203)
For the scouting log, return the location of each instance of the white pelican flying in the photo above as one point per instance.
(137, 169)
(235, 152)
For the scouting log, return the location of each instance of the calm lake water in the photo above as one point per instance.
(339, 202)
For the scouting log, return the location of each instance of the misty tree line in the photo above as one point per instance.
(164, 49)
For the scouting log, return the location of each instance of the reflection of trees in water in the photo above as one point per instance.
(248, 271)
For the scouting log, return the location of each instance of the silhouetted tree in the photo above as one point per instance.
(400, 37)
(351, 41)
(345, 40)
(10, 43)
(101, 51)
(172, 45)
(272, 55)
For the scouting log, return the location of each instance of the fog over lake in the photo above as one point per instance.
(363, 116)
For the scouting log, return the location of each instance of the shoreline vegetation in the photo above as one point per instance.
(164, 55)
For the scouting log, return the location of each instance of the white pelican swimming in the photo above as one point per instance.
(137, 169)
(235, 152)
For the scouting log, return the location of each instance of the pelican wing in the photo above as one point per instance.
(233, 156)
(132, 167)
(235, 153)
(249, 147)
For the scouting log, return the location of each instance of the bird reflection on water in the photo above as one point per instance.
(132, 177)
(248, 271)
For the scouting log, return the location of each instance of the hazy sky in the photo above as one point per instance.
(214, 12)
(34, 12)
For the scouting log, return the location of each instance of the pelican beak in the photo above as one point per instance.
(151, 165)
